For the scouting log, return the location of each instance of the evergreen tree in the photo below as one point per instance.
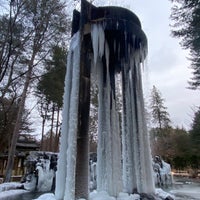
(195, 132)
(50, 89)
(160, 116)
(51, 84)
(186, 17)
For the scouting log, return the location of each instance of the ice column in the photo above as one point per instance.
(109, 149)
(137, 163)
(65, 176)
(128, 127)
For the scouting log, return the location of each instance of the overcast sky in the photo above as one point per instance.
(167, 66)
(167, 63)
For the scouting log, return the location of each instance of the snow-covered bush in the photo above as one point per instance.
(40, 174)
(162, 172)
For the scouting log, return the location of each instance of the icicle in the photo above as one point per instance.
(148, 171)
(73, 121)
(101, 158)
(137, 165)
(62, 162)
(115, 152)
(101, 40)
(108, 160)
(107, 54)
(66, 160)
(127, 137)
(142, 148)
(95, 41)
(98, 41)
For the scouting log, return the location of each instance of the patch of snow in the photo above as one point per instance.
(188, 191)
(102, 195)
(95, 195)
(10, 186)
(10, 193)
(126, 196)
(162, 194)
(47, 196)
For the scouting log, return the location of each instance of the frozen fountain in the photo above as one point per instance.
(106, 42)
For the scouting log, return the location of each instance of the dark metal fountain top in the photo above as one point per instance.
(113, 18)
(121, 26)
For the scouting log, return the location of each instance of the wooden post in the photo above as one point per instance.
(82, 160)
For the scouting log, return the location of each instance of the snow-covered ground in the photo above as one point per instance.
(186, 189)
(9, 190)
(182, 190)
(103, 195)
(10, 186)
(10, 194)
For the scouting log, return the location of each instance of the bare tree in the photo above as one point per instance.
(46, 22)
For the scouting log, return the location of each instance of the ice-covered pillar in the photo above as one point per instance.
(82, 165)
(82, 156)
(65, 176)
(73, 160)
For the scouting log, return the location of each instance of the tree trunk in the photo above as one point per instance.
(11, 154)
(42, 139)
(51, 132)
(44, 118)
(57, 131)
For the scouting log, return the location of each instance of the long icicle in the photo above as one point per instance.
(73, 121)
(61, 173)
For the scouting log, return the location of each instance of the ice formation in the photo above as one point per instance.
(40, 171)
(65, 176)
(93, 176)
(136, 151)
(162, 173)
(109, 149)
(136, 157)
(124, 160)
(45, 177)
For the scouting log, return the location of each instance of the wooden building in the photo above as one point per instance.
(25, 144)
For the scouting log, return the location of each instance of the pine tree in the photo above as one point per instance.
(195, 131)
(160, 116)
(50, 91)
(186, 17)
